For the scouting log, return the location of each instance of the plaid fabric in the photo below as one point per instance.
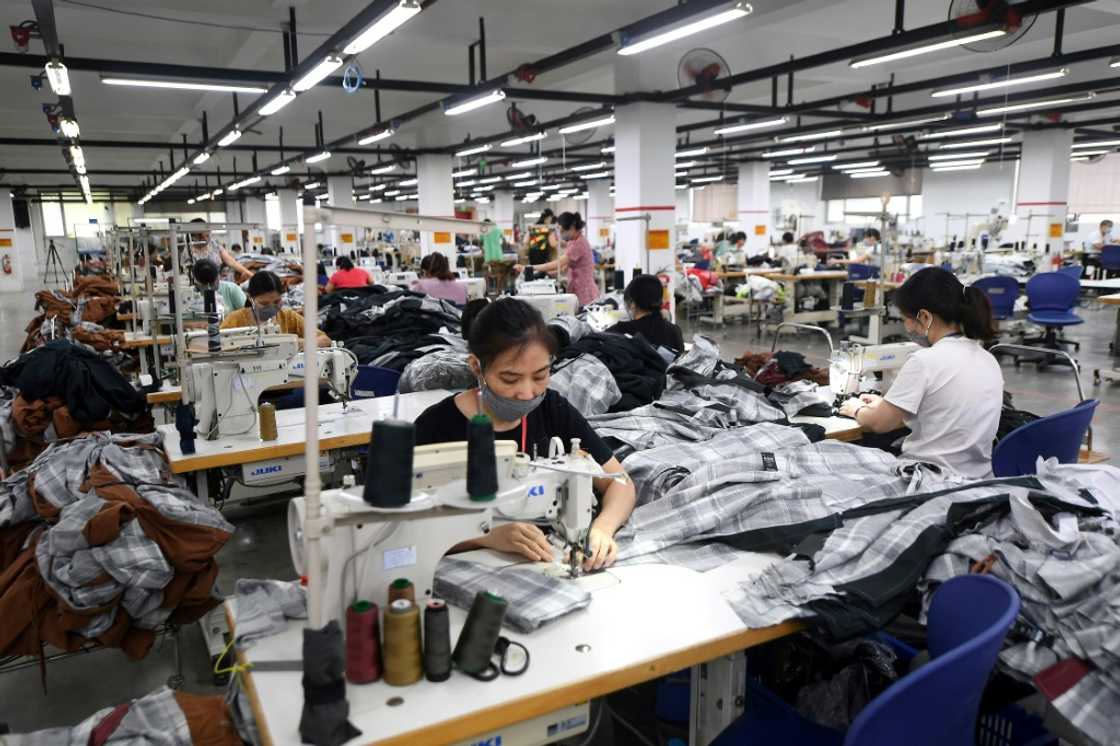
(796, 396)
(264, 606)
(587, 383)
(572, 327)
(703, 358)
(153, 720)
(534, 598)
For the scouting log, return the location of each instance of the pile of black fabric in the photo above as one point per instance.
(376, 312)
(395, 351)
(637, 368)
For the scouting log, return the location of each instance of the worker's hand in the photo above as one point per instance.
(870, 398)
(850, 407)
(602, 550)
(519, 538)
(518, 268)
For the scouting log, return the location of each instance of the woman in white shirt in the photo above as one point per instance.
(951, 392)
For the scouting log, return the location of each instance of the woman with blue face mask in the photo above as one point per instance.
(950, 392)
(511, 351)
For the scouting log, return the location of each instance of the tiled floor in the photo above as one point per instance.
(79, 686)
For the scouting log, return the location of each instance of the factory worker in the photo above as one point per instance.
(577, 259)
(643, 297)
(438, 280)
(203, 247)
(868, 250)
(511, 351)
(1102, 237)
(949, 393)
(205, 273)
(266, 293)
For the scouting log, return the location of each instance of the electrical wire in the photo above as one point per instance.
(624, 723)
(207, 24)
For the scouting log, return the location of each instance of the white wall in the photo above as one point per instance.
(958, 192)
(798, 199)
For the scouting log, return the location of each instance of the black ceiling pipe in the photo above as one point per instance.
(156, 145)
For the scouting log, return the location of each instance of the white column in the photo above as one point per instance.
(13, 247)
(503, 213)
(645, 141)
(600, 212)
(437, 199)
(1043, 191)
(290, 207)
(754, 205)
(340, 193)
(252, 211)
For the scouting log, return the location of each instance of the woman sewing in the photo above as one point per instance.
(511, 351)
(949, 393)
(266, 297)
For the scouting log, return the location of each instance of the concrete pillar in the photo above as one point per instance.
(1043, 190)
(290, 208)
(503, 213)
(645, 143)
(437, 199)
(600, 212)
(340, 193)
(13, 248)
(754, 205)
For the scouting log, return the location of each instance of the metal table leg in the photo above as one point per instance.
(719, 697)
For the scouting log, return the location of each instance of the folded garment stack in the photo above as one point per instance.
(79, 314)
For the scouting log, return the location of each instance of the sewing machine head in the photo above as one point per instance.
(538, 287)
(849, 366)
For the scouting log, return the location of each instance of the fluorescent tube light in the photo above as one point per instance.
(244, 183)
(810, 136)
(77, 155)
(606, 149)
(519, 176)
(321, 156)
(377, 136)
(859, 164)
(201, 158)
(958, 156)
(528, 182)
(589, 166)
(383, 26)
(1044, 104)
(315, 75)
(657, 38)
(869, 174)
(746, 127)
(312, 185)
(589, 124)
(1097, 144)
(472, 151)
(382, 169)
(490, 180)
(1004, 83)
(529, 162)
(688, 164)
(956, 40)
(812, 159)
(782, 172)
(957, 168)
(408, 182)
(960, 162)
(280, 170)
(277, 102)
(69, 127)
(596, 175)
(470, 104)
(704, 179)
(801, 180)
(229, 138)
(975, 143)
(962, 131)
(391, 193)
(378, 187)
(690, 153)
(1092, 152)
(788, 151)
(467, 183)
(524, 139)
(909, 123)
(1079, 158)
(183, 85)
(464, 173)
(58, 77)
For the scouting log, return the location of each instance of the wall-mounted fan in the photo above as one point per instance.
(967, 14)
(519, 121)
(703, 67)
(582, 137)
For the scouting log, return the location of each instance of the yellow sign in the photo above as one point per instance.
(258, 240)
(760, 230)
(6, 242)
(346, 238)
(1056, 230)
(441, 237)
(604, 233)
(291, 237)
(657, 239)
(507, 231)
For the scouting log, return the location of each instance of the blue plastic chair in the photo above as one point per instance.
(1052, 296)
(1074, 270)
(935, 705)
(1002, 292)
(1054, 436)
(372, 381)
(1110, 259)
(856, 273)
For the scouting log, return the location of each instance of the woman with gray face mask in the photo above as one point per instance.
(266, 304)
(511, 351)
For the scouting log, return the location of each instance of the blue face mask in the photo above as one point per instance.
(266, 313)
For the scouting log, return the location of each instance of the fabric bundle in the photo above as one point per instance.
(587, 383)
(375, 312)
(635, 365)
(78, 314)
(325, 709)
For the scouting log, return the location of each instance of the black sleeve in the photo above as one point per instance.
(572, 424)
(679, 337)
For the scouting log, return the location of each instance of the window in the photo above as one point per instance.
(840, 210)
(52, 219)
(272, 213)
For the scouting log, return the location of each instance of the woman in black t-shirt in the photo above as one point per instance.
(511, 353)
(643, 301)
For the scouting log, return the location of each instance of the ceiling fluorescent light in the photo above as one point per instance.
(363, 196)
(201, 158)
(378, 187)
(472, 151)
(681, 186)
(589, 124)
(204, 195)
(391, 193)
(408, 182)
(956, 40)
(1003, 83)
(1097, 144)
(519, 176)
(477, 102)
(936, 134)
(811, 136)
(960, 162)
(77, 155)
(382, 169)
(525, 139)
(975, 143)
(229, 138)
(315, 75)
(801, 180)
(680, 173)
(58, 77)
(657, 38)
(607, 149)
(69, 127)
(869, 174)
(467, 183)
(312, 185)
(781, 172)
(1114, 62)
(320, 156)
(383, 26)
(529, 182)
(529, 162)
(376, 136)
(490, 180)
(958, 156)
(746, 127)
(589, 166)
(788, 151)
(688, 164)
(1079, 158)
(957, 168)
(277, 102)
(812, 159)
(705, 179)
(596, 175)
(464, 173)
(908, 123)
(859, 164)
(280, 170)
(183, 85)
(244, 183)
(690, 153)
(1044, 104)
(1092, 152)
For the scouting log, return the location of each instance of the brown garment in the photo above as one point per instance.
(105, 339)
(753, 362)
(209, 719)
(93, 285)
(30, 418)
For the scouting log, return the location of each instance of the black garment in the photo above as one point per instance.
(636, 366)
(656, 330)
(90, 385)
(443, 422)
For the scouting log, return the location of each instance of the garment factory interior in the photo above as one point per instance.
(519, 372)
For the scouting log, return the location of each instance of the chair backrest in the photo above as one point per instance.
(1074, 271)
(1057, 435)
(1053, 291)
(862, 271)
(372, 381)
(938, 704)
(1002, 291)
(1110, 256)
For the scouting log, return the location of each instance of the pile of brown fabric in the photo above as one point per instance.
(80, 314)
(30, 421)
(753, 362)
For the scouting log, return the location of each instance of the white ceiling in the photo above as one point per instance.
(433, 47)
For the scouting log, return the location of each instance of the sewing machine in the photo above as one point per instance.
(404, 278)
(538, 287)
(849, 366)
(364, 549)
(225, 385)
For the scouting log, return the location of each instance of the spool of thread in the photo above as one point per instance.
(482, 464)
(437, 642)
(404, 662)
(363, 643)
(480, 633)
(402, 588)
(266, 417)
(389, 464)
(619, 279)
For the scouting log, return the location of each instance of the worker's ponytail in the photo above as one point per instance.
(943, 295)
(570, 221)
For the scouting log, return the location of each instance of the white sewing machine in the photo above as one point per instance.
(403, 278)
(544, 286)
(364, 549)
(849, 366)
(226, 385)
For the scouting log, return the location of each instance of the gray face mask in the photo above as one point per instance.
(919, 338)
(265, 313)
(505, 409)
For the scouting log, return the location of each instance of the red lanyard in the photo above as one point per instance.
(524, 433)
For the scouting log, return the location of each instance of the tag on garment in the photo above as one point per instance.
(769, 462)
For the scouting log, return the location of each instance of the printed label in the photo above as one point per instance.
(391, 559)
(769, 462)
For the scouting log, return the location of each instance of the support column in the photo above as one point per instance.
(754, 205)
(437, 199)
(1043, 190)
(290, 208)
(340, 193)
(600, 212)
(13, 247)
(252, 211)
(503, 213)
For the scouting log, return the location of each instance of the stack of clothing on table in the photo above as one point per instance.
(288, 269)
(637, 368)
(99, 544)
(60, 390)
(402, 328)
(80, 314)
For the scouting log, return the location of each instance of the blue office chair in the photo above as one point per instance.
(1052, 296)
(934, 705)
(1110, 260)
(1002, 292)
(372, 381)
(1074, 270)
(1055, 436)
